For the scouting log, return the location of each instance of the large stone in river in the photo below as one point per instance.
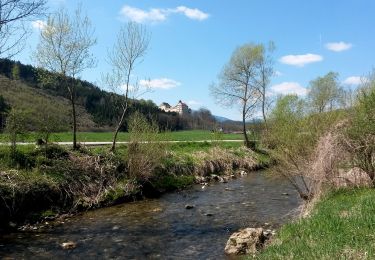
(245, 241)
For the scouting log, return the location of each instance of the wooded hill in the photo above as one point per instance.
(21, 87)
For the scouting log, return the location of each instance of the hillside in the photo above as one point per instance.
(22, 88)
(38, 104)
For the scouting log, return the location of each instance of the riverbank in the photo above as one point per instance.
(340, 226)
(45, 182)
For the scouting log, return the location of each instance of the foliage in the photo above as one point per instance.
(64, 48)
(293, 136)
(242, 82)
(325, 93)
(145, 150)
(360, 136)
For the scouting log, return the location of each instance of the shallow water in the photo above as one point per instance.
(162, 228)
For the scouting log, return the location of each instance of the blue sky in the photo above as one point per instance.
(192, 40)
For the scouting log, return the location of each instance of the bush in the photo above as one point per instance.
(360, 135)
(145, 150)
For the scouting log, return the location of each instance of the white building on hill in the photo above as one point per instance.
(181, 108)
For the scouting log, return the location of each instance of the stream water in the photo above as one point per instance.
(163, 228)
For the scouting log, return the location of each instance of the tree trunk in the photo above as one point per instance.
(264, 106)
(121, 121)
(75, 146)
(246, 139)
(74, 115)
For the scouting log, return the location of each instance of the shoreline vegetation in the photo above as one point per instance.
(44, 182)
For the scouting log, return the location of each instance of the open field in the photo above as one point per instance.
(193, 135)
(342, 226)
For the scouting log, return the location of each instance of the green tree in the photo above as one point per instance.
(16, 71)
(239, 83)
(64, 48)
(360, 135)
(325, 93)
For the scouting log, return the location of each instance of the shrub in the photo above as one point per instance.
(145, 150)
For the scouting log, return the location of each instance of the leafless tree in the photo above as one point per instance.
(13, 30)
(238, 83)
(131, 46)
(64, 49)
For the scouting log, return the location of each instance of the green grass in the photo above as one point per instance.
(342, 226)
(192, 135)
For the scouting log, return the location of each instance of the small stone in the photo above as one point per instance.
(209, 214)
(35, 228)
(115, 227)
(69, 245)
(188, 206)
(12, 224)
(243, 173)
(285, 194)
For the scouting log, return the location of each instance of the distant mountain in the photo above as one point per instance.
(222, 119)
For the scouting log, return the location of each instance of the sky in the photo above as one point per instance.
(191, 41)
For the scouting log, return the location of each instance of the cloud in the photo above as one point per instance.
(289, 88)
(300, 60)
(194, 14)
(338, 46)
(193, 103)
(38, 24)
(155, 15)
(278, 73)
(141, 16)
(161, 83)
(354, 80)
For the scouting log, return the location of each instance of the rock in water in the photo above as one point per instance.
(69, 245)
(245, 241)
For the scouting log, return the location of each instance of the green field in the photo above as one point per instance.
(342, 226)
(193, 135)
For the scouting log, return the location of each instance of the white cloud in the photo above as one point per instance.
(159, 14)
(193, 103)
(289, 88)
(161, 83)
(38, 24)
(141, 16)
(194, 14)
(300, 60)
(338, 46)
(278, 73)
(354, 80)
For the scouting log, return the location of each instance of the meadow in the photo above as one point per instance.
(191, 135)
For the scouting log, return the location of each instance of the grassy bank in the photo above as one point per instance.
(192, 135)
(341, 226)
(36, 182)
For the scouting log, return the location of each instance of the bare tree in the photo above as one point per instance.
(238, 83)
(13, 30)
(64, 49)
(265, 73)
(129, 49)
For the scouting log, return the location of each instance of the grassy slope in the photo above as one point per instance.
(23, 97)
(193, 135)
(342, 226)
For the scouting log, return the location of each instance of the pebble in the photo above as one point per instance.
(189, 206)
(69, 245)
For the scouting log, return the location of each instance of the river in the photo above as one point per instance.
(163, 228)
